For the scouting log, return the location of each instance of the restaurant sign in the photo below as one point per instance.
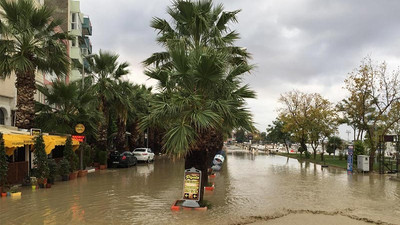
(79, 138)
(35, 131)
(79, 128)
(192, 184)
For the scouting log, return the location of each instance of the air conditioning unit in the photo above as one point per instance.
(363, 163)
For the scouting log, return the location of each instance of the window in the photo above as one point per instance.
(2, 117)
(74, 21)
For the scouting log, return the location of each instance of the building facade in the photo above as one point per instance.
(80, 28)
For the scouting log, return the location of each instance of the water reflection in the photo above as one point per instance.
(250, 184)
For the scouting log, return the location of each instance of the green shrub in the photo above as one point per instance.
(88, 154)
(3, 163)
(40, 161)
(64, 168)
(359, 149)
(307, 154)
(70, 155)
(103, 158)
(53, 169)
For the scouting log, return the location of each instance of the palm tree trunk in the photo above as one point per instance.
(103, 126)
(26, 90)
(134, 137)
(209, 142)
(120, 139)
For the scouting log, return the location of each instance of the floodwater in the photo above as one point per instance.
(251, 188)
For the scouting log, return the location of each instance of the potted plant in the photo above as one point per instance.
(64, 169)
(3, 165)
(103, 160)
(53, 170)
(5, 191)
(40, 161)
(72, 158)
(34, 183)
(14, 190)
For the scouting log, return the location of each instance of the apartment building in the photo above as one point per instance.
(80, 28)
(77, 25)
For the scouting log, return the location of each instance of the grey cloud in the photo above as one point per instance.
(295, 43)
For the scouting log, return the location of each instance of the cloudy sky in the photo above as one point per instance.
(308, 45)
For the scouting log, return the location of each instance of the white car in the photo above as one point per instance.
(143, 154)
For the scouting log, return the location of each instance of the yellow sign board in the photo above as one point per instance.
(80, 128)
(191, 189)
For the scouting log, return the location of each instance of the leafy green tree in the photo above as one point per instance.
(277, 134)
(40, 160)
(70, 155)
(106, 72)
(359, 149)
(29, 42)
(240, 136)
(376, 96)
(334, 142)
(67, 105)
(3, 162)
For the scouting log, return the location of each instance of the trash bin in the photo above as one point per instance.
(363, 163)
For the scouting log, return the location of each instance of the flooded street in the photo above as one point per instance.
(251, 188)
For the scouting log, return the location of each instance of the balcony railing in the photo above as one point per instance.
(86, 26)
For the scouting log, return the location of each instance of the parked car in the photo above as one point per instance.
(124, 159)
(143, 154)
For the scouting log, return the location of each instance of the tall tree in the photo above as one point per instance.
(376, 96)
(199, 80)
(295, 114)
(29, 42)
(106, 71)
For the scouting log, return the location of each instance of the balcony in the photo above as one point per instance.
(75, 6)
(85, 45)
(86, 26)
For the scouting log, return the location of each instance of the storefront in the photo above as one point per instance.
(19, 150)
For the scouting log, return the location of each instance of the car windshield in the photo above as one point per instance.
(140, 150)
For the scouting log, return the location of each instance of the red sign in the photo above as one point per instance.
(79, 138)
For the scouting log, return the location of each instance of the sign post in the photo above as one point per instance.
(350, 160)
(79, 129)
(191, 188)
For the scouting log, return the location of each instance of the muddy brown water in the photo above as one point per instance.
(250, 188)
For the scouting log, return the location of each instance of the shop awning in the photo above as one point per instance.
(13, 141)
(51, 141)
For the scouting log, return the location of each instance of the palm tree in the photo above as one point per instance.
(106, 71)
(66, 106)
(205, 102)
(29, 43)
(123, 105)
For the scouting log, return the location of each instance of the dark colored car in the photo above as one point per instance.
(124, 159)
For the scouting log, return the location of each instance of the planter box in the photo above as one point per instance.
(3, 194)
(177, 206)
(82, 173)
(212, 175)
(210, 188)
(103, 167)
(16, 194)
(73, 175)
(33, 187)
(48, 185)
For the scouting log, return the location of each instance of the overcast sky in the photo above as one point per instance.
(308, 45)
